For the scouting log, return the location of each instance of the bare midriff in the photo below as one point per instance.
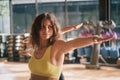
(36, 77)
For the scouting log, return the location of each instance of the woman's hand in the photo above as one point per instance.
(78, 26)
(25, 52)
(70, 28)
(100, 39)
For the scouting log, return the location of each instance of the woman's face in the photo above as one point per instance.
(46, 31)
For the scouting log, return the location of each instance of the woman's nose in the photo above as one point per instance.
(46, 29)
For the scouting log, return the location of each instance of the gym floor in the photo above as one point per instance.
(20, 71)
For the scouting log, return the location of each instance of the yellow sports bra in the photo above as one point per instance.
(43, 66)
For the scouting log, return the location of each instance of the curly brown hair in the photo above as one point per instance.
(37, 25)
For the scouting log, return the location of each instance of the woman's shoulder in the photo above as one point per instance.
(59, 42)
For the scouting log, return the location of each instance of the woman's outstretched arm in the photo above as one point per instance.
(82, 42)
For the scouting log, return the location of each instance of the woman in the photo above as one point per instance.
(28, 48)
(48, 55)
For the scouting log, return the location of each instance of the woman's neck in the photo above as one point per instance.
(44, 43)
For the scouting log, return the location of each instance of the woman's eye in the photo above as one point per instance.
(50, 26)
